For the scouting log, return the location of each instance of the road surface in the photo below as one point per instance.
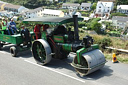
(23, 70)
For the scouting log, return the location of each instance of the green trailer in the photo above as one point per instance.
(59, 42)
(17, 40)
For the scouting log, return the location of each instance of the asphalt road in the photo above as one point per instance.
(23, 70)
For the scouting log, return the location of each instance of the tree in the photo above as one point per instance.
(94, 6)
(96, 26)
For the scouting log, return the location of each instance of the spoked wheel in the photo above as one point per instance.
(41, 51)
(13, 51)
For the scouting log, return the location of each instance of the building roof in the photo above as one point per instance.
(34, 10)
(86, 4)
(122, 7)
(120, 18)
(12, 6)
(54, 12)
(71, 4)
(106, 4)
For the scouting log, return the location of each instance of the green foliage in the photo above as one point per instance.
(85, 13)
(81, 24)
(109, 26)
(79, 1)
(31, 3)
(95, 19)
(94, 6)
(96, 26)
(121, 2)
(102, 41)
(114, 33)
(117, 14)
(105, 42)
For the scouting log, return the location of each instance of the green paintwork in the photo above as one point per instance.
(44, 35)
(67, 47)
(95, 46)
(41, 52)
(14, 39)
(79, 53)
(58, 39)
(84, 50)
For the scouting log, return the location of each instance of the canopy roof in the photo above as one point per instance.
(51, 20)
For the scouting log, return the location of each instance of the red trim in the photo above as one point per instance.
(53, 42)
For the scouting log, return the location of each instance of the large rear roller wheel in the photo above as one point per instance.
(41, 51)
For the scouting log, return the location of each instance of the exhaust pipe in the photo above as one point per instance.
(76, 27)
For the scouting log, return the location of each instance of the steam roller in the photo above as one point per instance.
(61, 42)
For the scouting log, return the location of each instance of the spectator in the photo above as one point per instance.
(45, 27)
(13, 25)
(10, 30)
(4, 25)
(26, 36)
(37, 31)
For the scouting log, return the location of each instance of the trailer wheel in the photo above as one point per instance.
(41, 51)
(1, 45)
(13, 51)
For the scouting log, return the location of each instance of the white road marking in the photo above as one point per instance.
(56, 71)
(4, 52)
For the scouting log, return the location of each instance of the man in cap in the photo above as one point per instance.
(26, 36)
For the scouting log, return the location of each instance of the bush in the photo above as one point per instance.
(117, 14)
(81, 24)
(105, 42)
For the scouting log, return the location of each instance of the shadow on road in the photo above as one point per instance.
(105, 71)
(60, 64)
(24, 54)
(65, 64)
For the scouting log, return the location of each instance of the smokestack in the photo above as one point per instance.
(76, 27)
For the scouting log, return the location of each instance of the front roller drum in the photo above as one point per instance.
(90, 62)
(41, 51)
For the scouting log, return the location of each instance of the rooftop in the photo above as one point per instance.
(86, 4)
(54, 12)
(12, 6)
(34, 10)
(71, 4)
(106, 4)
(122, 7)
(120, 18)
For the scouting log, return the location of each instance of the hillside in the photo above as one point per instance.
(37, 3)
